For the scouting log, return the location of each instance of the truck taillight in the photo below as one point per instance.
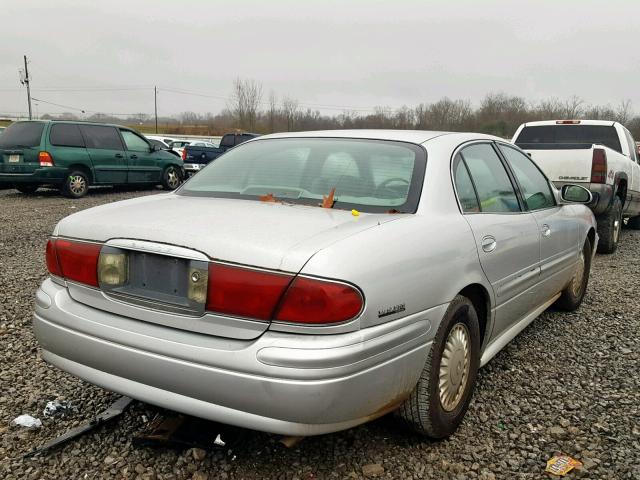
(567, 122)
(75, 261)
(184, 154)
(599, 166)
(45, 159)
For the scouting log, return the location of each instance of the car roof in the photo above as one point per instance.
(411, 136)
(80, 122)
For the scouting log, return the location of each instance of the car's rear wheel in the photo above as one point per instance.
(171, 178)
(27, 189)
(76, 185)
(573, 294)
(437, 404)
(609, 226)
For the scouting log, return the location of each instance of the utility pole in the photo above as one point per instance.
(155, 102)
(26, 82)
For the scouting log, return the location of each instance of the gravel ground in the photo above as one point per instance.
(569, 383)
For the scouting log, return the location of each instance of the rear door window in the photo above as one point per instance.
(101, 137)
(22, 134)
(66, 135)
(227, 141)
(464, 186)
(493, 186)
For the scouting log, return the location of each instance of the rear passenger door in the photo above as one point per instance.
(106, 152)
(507, 237)
(144, 167)
(558, 230)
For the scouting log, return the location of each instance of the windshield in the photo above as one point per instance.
(367, 175)
(22, 134)
(548, 135)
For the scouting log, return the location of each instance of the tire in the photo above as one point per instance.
(424, 411)
(27, 189)
(609, 226)
(573, 294)
(634, 223)
(171, 178)
(76, 185)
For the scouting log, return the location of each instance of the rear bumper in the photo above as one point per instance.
(193, 167)
(282, 383)
(48, 175)
(602, 195)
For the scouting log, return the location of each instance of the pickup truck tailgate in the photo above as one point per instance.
(564, 165)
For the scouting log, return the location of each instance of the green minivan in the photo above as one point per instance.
(74, 155)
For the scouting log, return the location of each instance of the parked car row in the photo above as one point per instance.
(309, 282)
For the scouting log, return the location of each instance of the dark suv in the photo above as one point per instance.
(73, 155)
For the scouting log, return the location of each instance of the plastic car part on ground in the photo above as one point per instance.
(560, 465)
(56, 408)
(26, 421)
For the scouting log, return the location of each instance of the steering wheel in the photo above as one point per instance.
(394, 179)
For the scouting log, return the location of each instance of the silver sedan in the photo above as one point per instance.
(306, 283)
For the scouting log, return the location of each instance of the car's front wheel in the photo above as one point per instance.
(76, 185)
(171, 178)
(437, 404)
(573, 294)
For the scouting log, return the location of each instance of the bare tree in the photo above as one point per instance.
(245, 102)
(623, 114)
(290, 108)
(573, 107)
(273, 111)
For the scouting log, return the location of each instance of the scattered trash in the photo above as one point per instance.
(560, 465)
(114, 410)
(268, 198)
(355, 213)
(290, 441)
(57, 408)
(26, 421)
(219, 441)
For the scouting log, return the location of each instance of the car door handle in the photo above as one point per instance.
(118, 155)
(546, 231)
(489, 243)
(133, 157)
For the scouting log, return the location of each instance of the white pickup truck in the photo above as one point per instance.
(600, 155)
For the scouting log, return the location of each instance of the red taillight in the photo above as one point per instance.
(244, 292)
(52, 258)
(74, 261)
(45, 159)
(599, 166)
(567, 122)
(314, 301)
(184, 154)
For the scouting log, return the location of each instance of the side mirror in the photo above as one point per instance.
(154, 148)
(575, 194)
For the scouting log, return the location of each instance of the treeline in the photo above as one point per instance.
(249, 109)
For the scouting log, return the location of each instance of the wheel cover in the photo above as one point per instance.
(454, 367)
(172, 178)
(576, 281)
(77, 184)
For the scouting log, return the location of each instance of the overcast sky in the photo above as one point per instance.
(353, 54)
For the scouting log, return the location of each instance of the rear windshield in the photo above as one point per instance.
(545, 136)
(21, 135)
(368, 175)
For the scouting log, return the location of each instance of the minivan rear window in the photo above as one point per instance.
(22, 135)
(66, 135)
(546, 136)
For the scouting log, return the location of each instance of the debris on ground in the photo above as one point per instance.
(58, 408)
(26, 421)
(116, 409)
(560, 465)
(372, 470)
(291, 441)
